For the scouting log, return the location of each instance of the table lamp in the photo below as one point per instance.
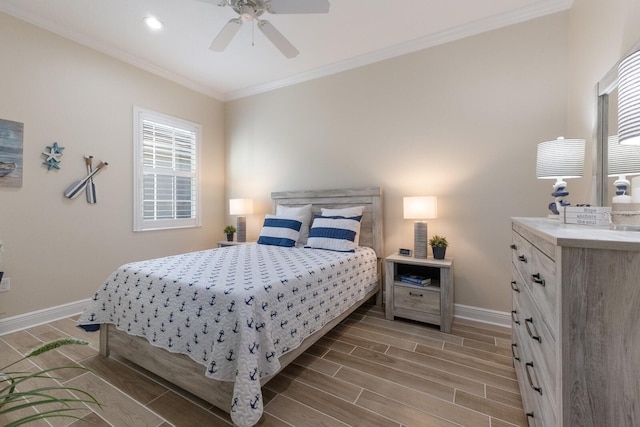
(629, 100)
(420, 208)
(560, 159)
(624, 160)
(241, 207)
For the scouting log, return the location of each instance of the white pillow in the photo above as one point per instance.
(280, 231)
(334, 233)
(295, 212)
(346, 212)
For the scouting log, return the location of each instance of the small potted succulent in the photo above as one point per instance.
(438, 246)
(229, 230)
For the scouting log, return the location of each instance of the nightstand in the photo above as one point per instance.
(224, 243)
(429, 303)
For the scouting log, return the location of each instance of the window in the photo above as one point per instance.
(166, 172)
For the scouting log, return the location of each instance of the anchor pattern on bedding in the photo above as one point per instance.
(235, 310)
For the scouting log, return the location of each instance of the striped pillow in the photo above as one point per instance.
(280, 231)
(298, 211)
(346, 212)
(335, 233)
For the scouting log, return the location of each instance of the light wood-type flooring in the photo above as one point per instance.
(368, 371)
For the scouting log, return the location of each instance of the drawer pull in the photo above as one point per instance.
(526, 324)
(529, 415)
(415, 295)
(514, 318)
(514, 286)
(513, 351)
(514, 247)
(538, 389)
(537, 279)
(522, 258)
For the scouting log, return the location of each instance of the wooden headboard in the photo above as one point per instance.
(370, 198)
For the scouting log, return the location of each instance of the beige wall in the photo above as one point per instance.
(600, 32)
(460, 121)
(59, 250)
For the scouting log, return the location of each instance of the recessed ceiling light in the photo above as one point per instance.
(153, 23)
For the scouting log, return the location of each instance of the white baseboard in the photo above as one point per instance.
(35, 318)
(492, 317)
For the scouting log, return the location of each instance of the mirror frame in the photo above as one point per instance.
(605, 86)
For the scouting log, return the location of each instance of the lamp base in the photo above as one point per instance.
(242, 229)
(420, 239)
(559, 192)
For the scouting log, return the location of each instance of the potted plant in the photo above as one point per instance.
(438, 246)
(229, 230)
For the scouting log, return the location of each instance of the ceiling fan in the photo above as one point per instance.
(252, 10)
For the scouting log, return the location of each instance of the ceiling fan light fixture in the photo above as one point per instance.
(252, 11)
(247, 13)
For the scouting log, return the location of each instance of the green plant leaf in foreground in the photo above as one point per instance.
(14, 398)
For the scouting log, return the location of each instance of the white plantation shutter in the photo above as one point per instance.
(166, 172)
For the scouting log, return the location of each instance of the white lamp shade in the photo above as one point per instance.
(240, 206)
(560, 158)
(421, 207)
(623, 159)
(629, 100)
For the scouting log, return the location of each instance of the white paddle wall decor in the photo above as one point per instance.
(86, 183)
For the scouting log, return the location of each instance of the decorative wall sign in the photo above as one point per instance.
(11, 137)
(53, 156)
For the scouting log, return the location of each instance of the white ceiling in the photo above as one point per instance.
(353, 33)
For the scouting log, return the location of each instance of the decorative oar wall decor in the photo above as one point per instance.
(86, 184)
(90, 187)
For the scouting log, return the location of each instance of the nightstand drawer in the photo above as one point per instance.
(419, 299)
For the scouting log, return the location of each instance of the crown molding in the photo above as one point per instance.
(536, 10)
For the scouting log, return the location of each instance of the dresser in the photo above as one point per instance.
(576, 323)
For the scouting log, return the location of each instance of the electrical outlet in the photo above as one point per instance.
(5, 285)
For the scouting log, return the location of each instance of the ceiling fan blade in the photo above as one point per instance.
(298, 6)
(223, 38)
(278, 39)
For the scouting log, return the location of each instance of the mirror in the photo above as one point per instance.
(607, 127)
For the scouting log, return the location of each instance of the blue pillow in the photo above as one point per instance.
(335, 233)
(280, 231)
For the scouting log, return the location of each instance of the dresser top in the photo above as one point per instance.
(582, 236)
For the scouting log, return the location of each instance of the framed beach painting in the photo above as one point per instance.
(11, 136)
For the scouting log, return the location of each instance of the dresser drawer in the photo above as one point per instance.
(536, 397)
(541, 347)
(540, 403)
(543, 284)
(533, 351)
(521, 254)
(415, 298)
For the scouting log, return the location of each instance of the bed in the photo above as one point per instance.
(220, 323)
